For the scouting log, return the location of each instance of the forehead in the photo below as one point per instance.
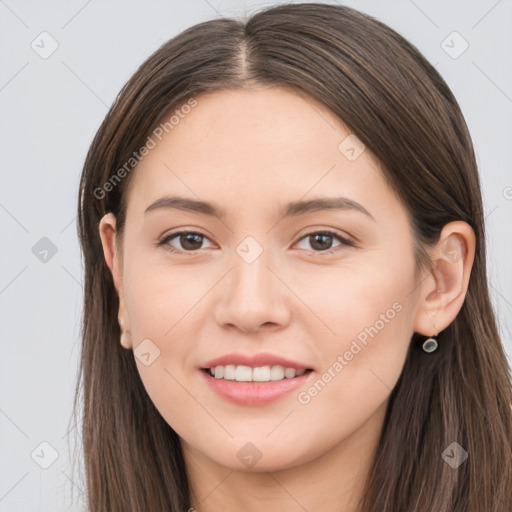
(257, 144)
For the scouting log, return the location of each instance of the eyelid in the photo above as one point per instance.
(343, 237)
(163, 241)
(345, 241)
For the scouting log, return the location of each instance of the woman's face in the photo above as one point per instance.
(261, 282)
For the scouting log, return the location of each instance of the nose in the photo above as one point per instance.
(253, 296)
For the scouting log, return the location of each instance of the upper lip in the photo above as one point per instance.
(254, 360)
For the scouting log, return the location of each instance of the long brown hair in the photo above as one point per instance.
(398, 105)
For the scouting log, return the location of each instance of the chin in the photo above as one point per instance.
(259, 457)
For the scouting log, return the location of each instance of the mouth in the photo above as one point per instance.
(243, 373)
(255, 386)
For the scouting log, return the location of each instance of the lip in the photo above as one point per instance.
(254, 393)
(254, 360)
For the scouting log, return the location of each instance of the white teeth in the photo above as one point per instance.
(242, 373)
(277, 373)
(261, 374)
(229, 372)
(289, 373)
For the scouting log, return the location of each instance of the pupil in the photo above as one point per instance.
(189, 238)
(319, 236)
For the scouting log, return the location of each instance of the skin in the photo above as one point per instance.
(250, 152)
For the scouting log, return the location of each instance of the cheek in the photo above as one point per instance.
(161, 303)
(367, 314)
(159, 299)
(362, 300)
(352, 388)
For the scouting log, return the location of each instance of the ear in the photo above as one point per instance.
(111, 252)
(444, 289)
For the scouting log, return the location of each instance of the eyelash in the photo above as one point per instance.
(344, 241)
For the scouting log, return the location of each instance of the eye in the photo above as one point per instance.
(189, 240)
(321, 241)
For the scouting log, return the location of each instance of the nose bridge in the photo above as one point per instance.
(251, 267)
(252, 295)
(251, 277)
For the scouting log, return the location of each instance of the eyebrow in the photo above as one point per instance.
(291, 209)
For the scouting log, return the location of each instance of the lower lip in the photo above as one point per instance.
(254, 393)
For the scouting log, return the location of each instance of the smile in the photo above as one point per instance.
(250, 392)
(242, 373)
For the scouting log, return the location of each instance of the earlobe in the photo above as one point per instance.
(443, 291)
(126, 336)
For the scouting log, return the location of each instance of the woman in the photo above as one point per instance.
(286, 304)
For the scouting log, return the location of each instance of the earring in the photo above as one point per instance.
(430, 344)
